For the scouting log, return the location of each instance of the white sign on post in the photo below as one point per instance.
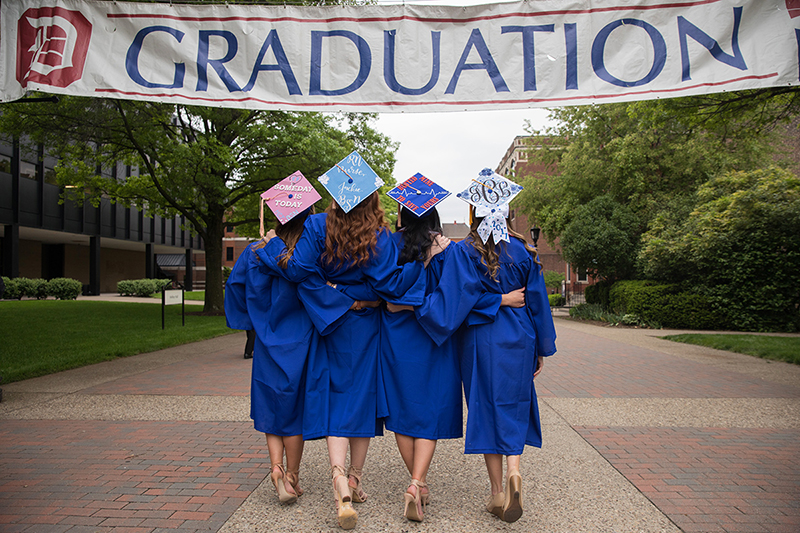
(172, 297)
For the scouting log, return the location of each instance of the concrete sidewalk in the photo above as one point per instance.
(640, 435)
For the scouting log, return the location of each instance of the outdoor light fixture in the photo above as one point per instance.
(535, 235)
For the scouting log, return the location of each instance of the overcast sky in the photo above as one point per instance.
(451, 148)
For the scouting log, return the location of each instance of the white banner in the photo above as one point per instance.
(398, 58)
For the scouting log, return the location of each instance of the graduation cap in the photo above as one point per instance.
(418, 194)
(288, 198)
(350, 181)
(490, 194)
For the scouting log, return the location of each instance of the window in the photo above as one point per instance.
(27, 170)
(229, 253)
(582, 276)
(229, 229)
(5, 163)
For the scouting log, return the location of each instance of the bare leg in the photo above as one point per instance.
(405, 445)
(359, 446)
(512, 506)
(294, 454)
(494, 465)
(277, 471)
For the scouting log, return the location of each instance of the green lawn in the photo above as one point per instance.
(45, 336)
(764, 346)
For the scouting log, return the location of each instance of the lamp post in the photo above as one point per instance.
(535, 235)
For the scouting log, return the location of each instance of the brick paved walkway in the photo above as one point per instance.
(196, 464)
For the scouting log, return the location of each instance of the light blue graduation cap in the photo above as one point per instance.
(490, 194)
(350, 181)
(418, 194)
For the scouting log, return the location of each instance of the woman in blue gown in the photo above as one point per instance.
(285, 319)
(342, 401)
(498, 359)
(423, 380)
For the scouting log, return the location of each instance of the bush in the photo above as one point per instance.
(666, 305)
(598, 293)
(64, 288)
(32, 288)
(141, 287)
(556, 300)
(12, 291)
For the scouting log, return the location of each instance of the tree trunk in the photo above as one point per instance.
(214, 294)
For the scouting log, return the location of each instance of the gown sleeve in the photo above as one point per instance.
(538, 308)
(485, 310)
(458, 292)
(236, 315)
(400, 284)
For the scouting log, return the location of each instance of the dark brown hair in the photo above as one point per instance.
(488, 252)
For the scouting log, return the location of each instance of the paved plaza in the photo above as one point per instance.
(640, 435)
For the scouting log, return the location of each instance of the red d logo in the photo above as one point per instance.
(794, 8)
(51, 46)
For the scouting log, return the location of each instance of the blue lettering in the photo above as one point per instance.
(687, 28)
(599, 46)
(571, 37)
(282, 64)
(365, 56)
(487, 63)
(388, 64)
(217, 64)
(528, 51)
(132, 59)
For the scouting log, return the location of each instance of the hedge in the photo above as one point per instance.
(556, 300)
(598, 293)
(667, 305)
(64, 288)
(141, 287)
(59, 288)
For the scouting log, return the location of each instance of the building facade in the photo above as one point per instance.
(43, 237)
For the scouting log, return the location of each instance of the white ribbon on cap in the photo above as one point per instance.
(493, 223)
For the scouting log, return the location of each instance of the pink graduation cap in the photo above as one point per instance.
(350, 181)
(490, 194)
(288, 198)
(418, 194)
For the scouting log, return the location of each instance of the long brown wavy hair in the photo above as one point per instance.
(488, 251)
(289, 233)
(351, 238)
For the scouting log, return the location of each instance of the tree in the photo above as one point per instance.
(740, 245)
(649, 157)
(209, 164)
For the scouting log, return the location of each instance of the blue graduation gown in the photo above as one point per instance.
(498, 358)
(285, 334)
(342, 392)
(422, 381)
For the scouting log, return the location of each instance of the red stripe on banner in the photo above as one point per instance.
(458, 103)
(672, 5)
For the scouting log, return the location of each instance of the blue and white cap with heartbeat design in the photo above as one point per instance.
(350, 181)
(418, 194)
(490, 194)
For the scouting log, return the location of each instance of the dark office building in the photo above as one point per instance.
(99, 246)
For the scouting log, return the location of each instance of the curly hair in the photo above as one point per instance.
(419, 234)
(488, 251)
(351, 238)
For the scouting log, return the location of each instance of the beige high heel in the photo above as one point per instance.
(345, 514)
(357, 493)
(495, 505)
(293, 477)
(280, 486)
(512, 508)
(413, 502)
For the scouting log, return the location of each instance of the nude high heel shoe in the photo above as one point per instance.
(278, 475)
(413, 502)
(356, 492)
(512, 508)
(345, 514)
(495, 505)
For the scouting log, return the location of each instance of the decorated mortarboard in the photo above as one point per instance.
(490, 194)
(288, 198)
(350, 181)
(418, 194)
